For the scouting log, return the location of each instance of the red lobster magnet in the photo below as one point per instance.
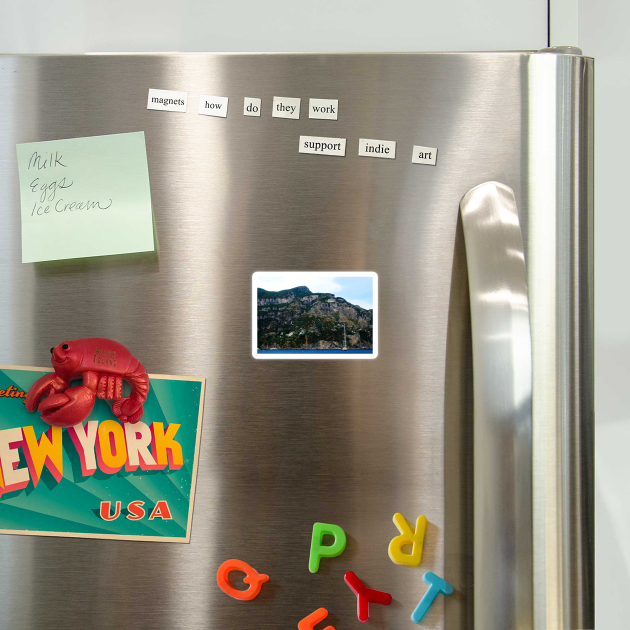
(103, 364)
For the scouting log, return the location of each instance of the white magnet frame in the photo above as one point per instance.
(319, 274)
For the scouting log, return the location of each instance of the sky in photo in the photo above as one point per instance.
(357, 290)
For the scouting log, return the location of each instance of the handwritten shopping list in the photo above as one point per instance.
(85, 197)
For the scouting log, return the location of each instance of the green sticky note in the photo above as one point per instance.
(85, 197)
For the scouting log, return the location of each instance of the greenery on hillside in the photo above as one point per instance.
(298, 318)
(298, 291)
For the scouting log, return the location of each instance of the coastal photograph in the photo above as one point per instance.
(315, 315)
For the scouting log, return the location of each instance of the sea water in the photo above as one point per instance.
(337, 351)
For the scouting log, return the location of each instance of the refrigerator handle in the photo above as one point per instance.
(502, 374)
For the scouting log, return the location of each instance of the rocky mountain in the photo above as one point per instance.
(298, 318)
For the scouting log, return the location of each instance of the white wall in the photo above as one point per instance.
(270, 25)
(604, 27)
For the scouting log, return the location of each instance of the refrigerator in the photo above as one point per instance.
(477, 410)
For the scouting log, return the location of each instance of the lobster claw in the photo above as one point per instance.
(43, 386)
(68, 408)
(128, 410)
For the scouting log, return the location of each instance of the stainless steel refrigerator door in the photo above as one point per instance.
(285, 443)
